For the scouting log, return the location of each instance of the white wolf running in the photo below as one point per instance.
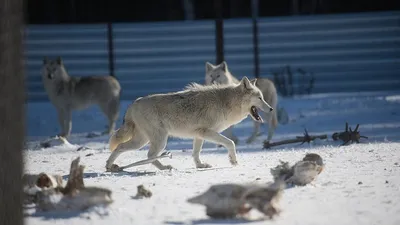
(198, 112)
(69, 93)
(219, 74)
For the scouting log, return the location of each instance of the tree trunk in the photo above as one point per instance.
(12, 115)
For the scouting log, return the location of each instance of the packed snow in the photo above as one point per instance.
(360, 183)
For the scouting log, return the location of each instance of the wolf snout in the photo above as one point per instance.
(270, 109)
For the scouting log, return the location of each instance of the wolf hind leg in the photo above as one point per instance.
(65, 120)
(111, 111)
(138, 141)
(197, 147)
(158, 142)
(217, 138)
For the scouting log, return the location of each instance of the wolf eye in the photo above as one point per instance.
(260, 98)
(218, 75)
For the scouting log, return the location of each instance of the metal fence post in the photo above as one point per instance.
(110, 39)
(219, 31)
(254, 15)
(188, 9)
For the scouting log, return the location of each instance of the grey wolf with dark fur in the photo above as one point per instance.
(68, 93)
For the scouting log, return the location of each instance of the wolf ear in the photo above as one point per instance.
(45, 60)
(209, 67)
(246, 83)
(59, 60)
(254, 81)
(223, 66)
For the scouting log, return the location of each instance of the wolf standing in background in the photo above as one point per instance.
(69, 93)
(220, 74)
(198, 112)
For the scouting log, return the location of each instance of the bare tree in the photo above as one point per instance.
(12, 94)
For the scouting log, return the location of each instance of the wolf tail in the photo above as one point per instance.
(122, 135)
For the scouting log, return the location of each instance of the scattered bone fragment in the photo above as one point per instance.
(52, 196)
(225, 201)
(301, 173)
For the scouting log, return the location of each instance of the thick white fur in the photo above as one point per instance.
(198, 112)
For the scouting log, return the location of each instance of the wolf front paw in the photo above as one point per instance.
(203, 165)
(58, 136)
(113, 168)
(233, 161)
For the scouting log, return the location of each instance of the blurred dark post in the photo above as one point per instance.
(235, 8)
(72, 14)
(110, 40)
(295, 7)
(219, 31)
(110, 37)
(188, 9)
(254, 15)
(12, 113)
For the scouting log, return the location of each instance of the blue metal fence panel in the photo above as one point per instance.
(348, 52)
(238, 49)
(161, 57)
(352, 52)
(83, 49)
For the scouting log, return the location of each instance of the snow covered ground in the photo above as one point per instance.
(360, 185)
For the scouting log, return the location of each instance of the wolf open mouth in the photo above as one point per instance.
(255, 115)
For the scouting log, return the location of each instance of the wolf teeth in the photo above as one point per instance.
(255, 113)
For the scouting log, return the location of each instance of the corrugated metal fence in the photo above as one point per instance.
(349, 52)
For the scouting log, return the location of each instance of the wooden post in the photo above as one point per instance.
(254, 13)
(219, 31)
(12, 111)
